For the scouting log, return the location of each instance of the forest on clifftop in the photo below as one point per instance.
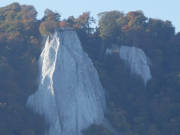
(132, 108)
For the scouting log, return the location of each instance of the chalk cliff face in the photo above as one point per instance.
(70, 95)
(137, 61)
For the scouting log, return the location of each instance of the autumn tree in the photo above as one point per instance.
(49, 23)
(50, 15)
(85, 21)
(19, 51)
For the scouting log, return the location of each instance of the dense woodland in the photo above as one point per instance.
(132, 108)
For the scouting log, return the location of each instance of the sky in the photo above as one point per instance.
(161, 9)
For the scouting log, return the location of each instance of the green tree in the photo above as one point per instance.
(108, 25)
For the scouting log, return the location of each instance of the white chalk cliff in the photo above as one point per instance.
(137, 60)
(70, 95)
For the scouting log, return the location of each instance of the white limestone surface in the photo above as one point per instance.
(70, 95)
(137, 61)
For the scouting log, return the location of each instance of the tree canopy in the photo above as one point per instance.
(132, 108)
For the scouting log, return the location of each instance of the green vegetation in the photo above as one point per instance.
(49, 23)
(96, 130)
(132, 109)
(19, 51)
